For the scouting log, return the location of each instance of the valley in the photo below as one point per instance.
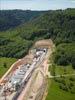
(39, 54)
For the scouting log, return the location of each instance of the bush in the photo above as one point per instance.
(72, 78)
(53, 70)
(63, 87)
(73, 90)
(73, 62)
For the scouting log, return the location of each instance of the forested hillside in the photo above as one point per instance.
(58, 25)
(13, 18)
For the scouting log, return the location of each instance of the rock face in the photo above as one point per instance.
(44, 43)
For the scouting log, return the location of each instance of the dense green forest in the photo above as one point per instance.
(13, 18)
(59, 25)
(65, 54)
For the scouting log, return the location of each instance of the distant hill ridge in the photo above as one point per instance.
(13, 18)
(59, 25)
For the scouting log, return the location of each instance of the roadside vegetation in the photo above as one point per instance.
(5, 64)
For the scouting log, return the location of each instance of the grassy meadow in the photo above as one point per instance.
(62, 88)
(5, 64)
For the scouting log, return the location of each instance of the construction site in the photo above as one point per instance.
(26, 78)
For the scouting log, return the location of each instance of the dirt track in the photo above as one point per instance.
(39, 86)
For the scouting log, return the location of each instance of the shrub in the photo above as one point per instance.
(63, 87)
(72, 78)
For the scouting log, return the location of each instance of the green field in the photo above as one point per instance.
(61, 70)
(55, 93)
(64, 70)
(62, 88)
(5, 64)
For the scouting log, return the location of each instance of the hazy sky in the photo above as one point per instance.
(37, 4)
